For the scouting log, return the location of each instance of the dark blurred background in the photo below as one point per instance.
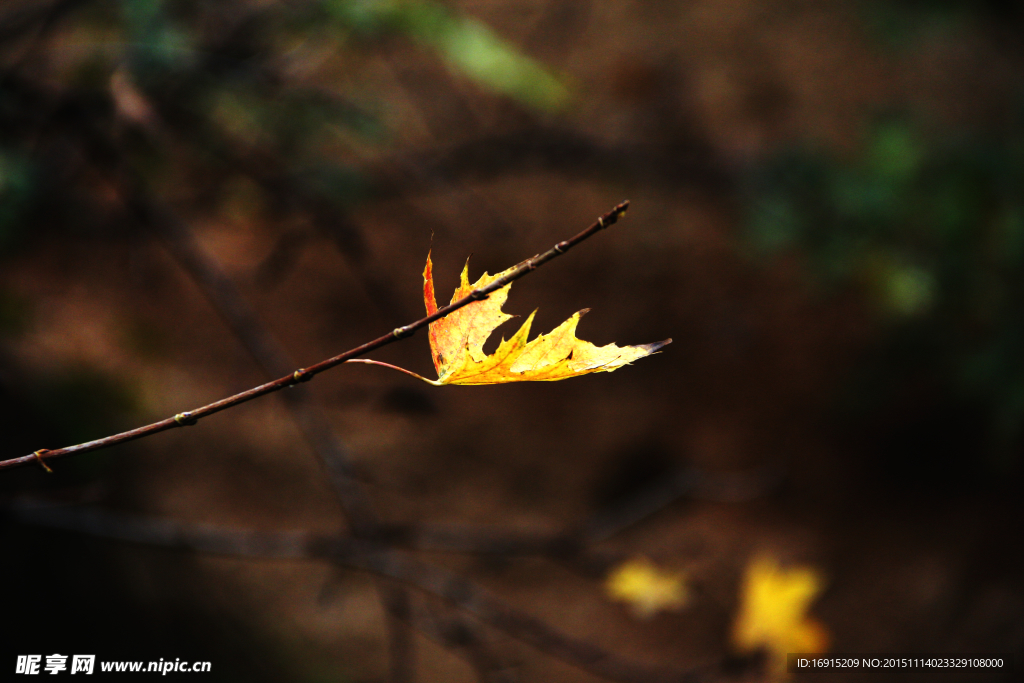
(827, 217)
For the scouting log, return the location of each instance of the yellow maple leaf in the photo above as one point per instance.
(646, 588)
(773, 613)
(457, 342)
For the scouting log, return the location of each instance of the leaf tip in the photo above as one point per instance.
(654, 347)
(464, 276)
(428, 287)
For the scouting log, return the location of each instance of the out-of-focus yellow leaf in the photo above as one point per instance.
(773, 613)
(646, 588)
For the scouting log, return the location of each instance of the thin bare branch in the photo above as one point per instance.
(305, 374)
(577, 540)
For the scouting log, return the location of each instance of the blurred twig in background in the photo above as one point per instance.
(366, 556)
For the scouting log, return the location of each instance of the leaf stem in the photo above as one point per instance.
(395, 367)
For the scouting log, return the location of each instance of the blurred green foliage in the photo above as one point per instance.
(162, 39)
(467, 45)
(932, 231)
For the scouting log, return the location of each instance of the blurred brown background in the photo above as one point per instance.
(827, 217)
